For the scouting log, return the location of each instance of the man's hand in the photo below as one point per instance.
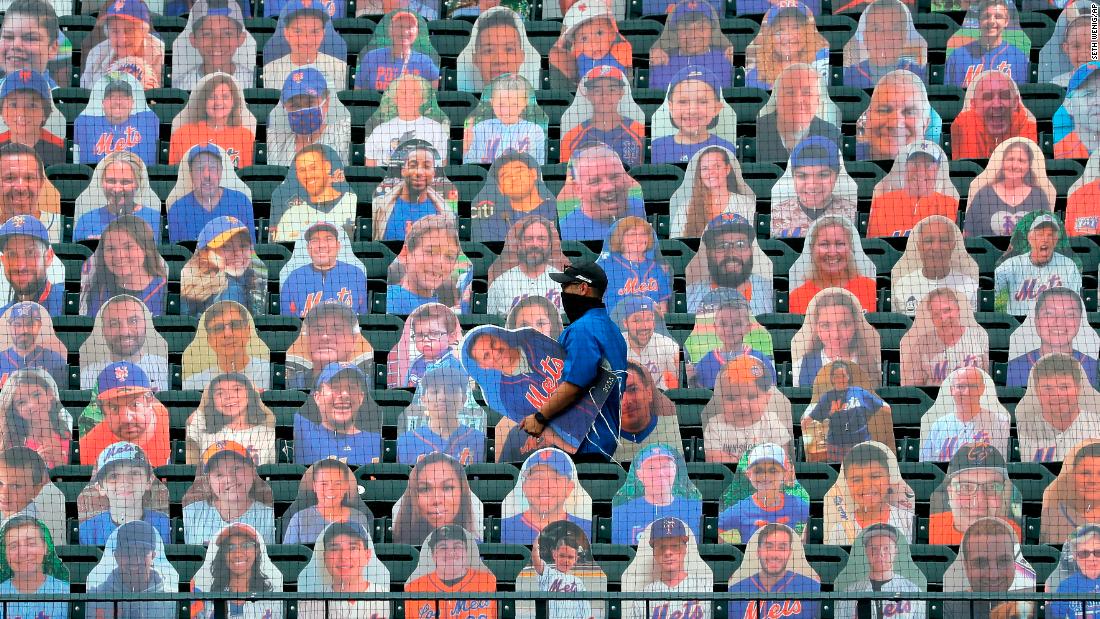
(532, 426)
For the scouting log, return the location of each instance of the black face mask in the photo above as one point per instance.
(576, 305)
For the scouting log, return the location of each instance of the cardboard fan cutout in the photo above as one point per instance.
(775, 561)
(966, 411)
(330, 333)
(787, 35)
(329, 493)
(944, 338)
(123, 489)
(648, 342)
(935, 257)
(631, 259)
(217, 100)
(990, 560)
(799, 108)
(429, 340)
(898, 115)
(214, 39)
(692, 37)
(498, 46)
(344, 561)
(692, 117)
(37, 198)
(507, 118)
(120, 186)
(28, 115)
(531, 254)
(315, 190)
(730, 265)
(308, 114)
(340, 419)
(539, 313)
(1057, 324)
(547, 491)
(437, 495)
(519, 370)
(237, 562)
(27, 532)
(844, 411)
(443, 417)
(226, 341)
(604, 110)
(414, 188)
(124, 331)
(134, 558)
(409, 110)
(869, 492)
(29, 341)
(991, 39)
(322, 269)
(977, 486)
(656, 486)
(1058, 410)
(835, 329)
(430, 268)
(116, 119)
(514, 191)
(993, 111)
(288, 50)
(1082, 215)
(712, 187)
(207, 188)
(880, 561)
(1016, 163)
(1069, 501)
(648, 415)
(724, 329)
(127, 261)
(1069, 45)
(1038, 258)
(224, 267)
(885, 39)
(1078, 571)
(42, 500)
(764, 490)
(450, 563)
(561, 562)
(652, 571)
(746, 409)
(124, 410)
(798, 203)
(32, 416)
(918, 187)
(399, 46)
(227, 490)
(590, 39)
(231, 411)
(123, 40)
(597, 193)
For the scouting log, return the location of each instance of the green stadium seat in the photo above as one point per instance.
(290, 559)
(401, 559)
(1044, 559)
(711, 479)
(827, 561)
(936, 28)
(817, 478)
(836, 29)
(1031, 479)
(601, 481)
(922, 477)
(1043, 100)
(852, 102)
(492, 482)
(506, 561)
(723, 560)
(80, 560)
(614, 559)
(933, 560)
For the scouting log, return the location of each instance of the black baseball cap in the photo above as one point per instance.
(588, 273)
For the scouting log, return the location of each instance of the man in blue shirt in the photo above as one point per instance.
(209, 198)
(340, 421)
(590, 341)
(25, 245)
(325, 278)
(24, 327)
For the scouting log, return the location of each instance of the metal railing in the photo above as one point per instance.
(959, 604)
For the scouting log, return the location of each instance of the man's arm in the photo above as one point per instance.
(563, 397)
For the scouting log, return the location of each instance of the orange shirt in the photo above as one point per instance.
(237, 141)
(1083, 210)
(475, 581)
(896, 213)
(941, 529)
(1070, 147)
(156, 449)
(863, 287)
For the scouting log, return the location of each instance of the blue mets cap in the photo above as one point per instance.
(634, 304)
(296, 6)
(816, 150)
(136, 535)
(134, 10)
(23, 225)
(198, 149)
(657, 450)
(304, 81)
(25, 310)
(698, 74)
(553, 458)
(333, 370)
(121, 379)
(219, 230)
(1082, 73)
(668, 527)
(728, 222)
(27, 79)
(691, 8)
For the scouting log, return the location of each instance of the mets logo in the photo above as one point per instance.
(119, 5)
(979, 452)
(18, 221)
(122, 373)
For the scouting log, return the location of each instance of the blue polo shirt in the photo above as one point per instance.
(586, 341)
